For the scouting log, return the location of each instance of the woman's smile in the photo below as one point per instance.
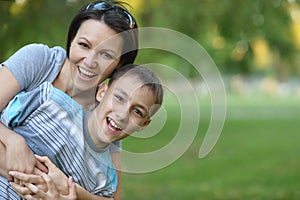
(85, 73)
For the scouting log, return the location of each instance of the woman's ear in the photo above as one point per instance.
(101, 91)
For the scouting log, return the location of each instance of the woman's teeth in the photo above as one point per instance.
(85, 72)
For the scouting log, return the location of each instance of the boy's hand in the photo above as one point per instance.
(55, 177)
(30, 191)
(59, 179)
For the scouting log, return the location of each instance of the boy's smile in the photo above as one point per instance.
(112, 126)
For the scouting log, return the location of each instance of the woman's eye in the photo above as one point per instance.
(83, 44)
(107, 55)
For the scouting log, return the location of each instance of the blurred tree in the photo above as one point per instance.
(230, 31)
(243, 37)
(33, 21)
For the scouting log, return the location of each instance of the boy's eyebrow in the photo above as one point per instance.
(128, 96)
(142, 107)
(123, 92)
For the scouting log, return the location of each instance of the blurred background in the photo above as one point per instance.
(255, 45)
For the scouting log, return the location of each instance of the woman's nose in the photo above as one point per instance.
(90, 60)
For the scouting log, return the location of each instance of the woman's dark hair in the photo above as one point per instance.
(113, 19)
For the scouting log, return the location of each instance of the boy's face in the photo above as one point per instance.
(124, 108)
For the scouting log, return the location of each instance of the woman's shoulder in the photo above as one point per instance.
(39, 51)
(43, 47)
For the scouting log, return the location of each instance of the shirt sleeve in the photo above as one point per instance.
(115, 147)
(23, 104)
(35, 63)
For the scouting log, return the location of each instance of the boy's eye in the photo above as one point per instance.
(118, 97)
(137, 111)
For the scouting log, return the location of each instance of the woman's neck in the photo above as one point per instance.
(81, 98)
(65, 83)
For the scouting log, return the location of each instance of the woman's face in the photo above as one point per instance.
(94, 54)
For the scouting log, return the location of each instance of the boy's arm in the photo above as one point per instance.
(116, 159)
(82, 194)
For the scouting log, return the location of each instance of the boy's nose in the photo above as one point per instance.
(121, 114)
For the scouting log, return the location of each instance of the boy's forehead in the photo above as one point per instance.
(128, 83)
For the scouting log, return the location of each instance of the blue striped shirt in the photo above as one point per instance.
(52, 124)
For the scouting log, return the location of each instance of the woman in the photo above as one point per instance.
(87, 61)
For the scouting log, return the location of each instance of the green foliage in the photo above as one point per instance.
(235, 23)
(33, 21)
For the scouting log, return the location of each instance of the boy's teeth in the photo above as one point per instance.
(114, 124)
(85, 72)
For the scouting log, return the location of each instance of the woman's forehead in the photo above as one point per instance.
(99, 33)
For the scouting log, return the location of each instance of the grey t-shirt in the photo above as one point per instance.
(34, 64)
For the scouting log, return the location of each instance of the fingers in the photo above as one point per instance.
(17, 181)
(53, 192)
(30, 197)
(45, 161)
(31, 178)
(49, 182)
(41, 166)
(30, 191)
(72, 191)
(21, 190)
(37, 171)
(36, 191)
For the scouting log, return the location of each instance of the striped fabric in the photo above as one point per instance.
(55, 129)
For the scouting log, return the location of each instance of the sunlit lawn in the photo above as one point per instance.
(256, 157)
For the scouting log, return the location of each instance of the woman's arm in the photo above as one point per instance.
(18, 156)
(16, 153)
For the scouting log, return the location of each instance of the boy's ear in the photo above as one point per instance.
(146, 123)
(101, 91)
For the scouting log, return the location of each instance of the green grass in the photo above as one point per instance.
(256, 157)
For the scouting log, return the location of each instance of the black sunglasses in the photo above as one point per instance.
(104, 6)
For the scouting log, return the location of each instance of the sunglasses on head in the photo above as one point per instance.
(121, 12)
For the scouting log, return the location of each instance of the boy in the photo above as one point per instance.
(75, 141)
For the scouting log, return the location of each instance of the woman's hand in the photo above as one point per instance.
(18, 156)
(35, 193)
